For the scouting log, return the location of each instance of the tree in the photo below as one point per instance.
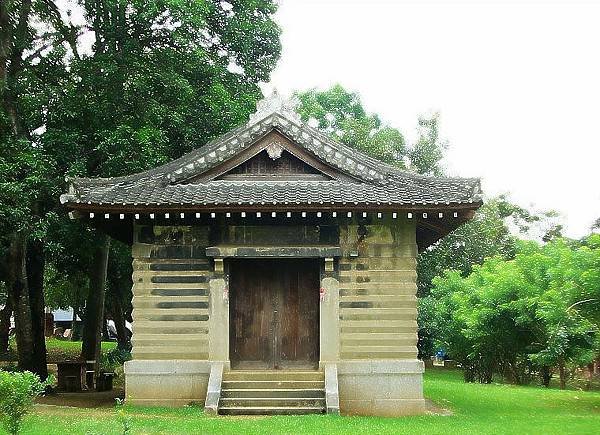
(119, 293)
(427, 153)
(340, 114)
(28, 28)
(493, 232)
(537, 310)
(160, 79)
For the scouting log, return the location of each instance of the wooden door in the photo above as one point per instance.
(274, 313)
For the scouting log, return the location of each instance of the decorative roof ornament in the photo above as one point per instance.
(274, 150)
(275, 103)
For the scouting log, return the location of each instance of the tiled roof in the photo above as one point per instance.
(371, 182)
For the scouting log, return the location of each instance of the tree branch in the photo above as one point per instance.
(69, 32)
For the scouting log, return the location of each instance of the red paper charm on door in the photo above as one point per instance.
(226, 294)
(322, 294)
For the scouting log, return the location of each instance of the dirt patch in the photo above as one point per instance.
(84, 399)
(433, 408)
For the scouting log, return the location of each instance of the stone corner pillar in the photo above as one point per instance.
(218, 341)
(329, 330)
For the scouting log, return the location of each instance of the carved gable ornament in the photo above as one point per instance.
(274, 149)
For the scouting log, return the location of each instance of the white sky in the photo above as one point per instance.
(517, 85)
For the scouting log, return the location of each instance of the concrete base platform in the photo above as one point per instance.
(166, 383)
(382, 388)
(388, 388)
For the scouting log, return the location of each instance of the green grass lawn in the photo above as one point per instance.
(477, 409)
(63, 349)
(58, 350)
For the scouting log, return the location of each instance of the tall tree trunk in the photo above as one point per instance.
(104, 332)
(35, 279)
(18, 293)
(94, 307)
(546, 375)
(590, 376)
(119, 319)
(562, 373)
(5, 315)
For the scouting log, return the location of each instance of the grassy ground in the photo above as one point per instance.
(58, 350)
(490, 409)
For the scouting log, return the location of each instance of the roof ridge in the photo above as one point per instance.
(337, 154)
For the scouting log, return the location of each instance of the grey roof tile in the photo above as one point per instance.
(373, 181)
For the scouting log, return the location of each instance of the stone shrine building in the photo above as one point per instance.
(275, 271)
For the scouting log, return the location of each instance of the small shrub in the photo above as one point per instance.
(113, 359)
(123, 418)
(17, 392)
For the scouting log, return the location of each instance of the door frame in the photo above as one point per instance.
(329, 321)
(318, 335)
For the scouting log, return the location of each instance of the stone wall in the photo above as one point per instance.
(367, 322)
(378, 371)
(377, 275)
(171, 277)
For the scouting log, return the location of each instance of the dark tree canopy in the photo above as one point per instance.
(158, 79)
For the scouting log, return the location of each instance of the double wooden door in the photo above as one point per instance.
(274, 313)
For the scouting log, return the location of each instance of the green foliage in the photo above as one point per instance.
(113, 359)
(427, 153)
(160, 82)
(486, 235)
(490, 233)
(161, 79)
(17, 392)
(340, 114)
(536, 311)
(124, 419)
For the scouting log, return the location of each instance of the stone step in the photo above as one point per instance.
(270, 392)
(271, 410)
(265, 384)
(273, 375)
(251, 402)
(273, 392)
